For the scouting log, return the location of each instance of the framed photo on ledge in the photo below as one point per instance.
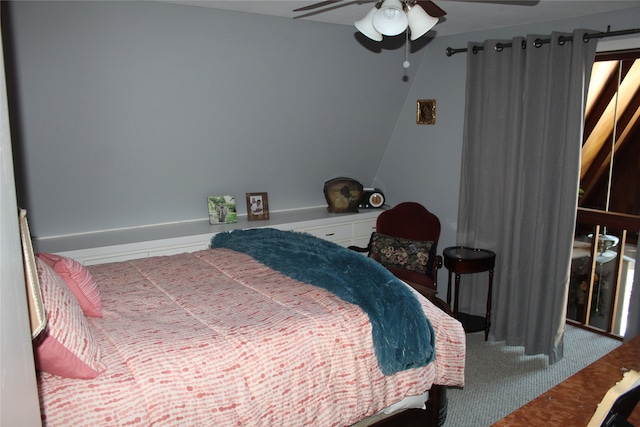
(257, 206)
(222, 209)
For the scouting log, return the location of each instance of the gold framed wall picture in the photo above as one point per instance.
(257, 206)
(426, 112)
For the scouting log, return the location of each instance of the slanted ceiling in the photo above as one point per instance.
(611, 110)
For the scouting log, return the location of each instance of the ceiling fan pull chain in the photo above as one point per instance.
(406, 63)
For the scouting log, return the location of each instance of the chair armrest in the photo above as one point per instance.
(363, 250)
(358, 248)
(437, 264)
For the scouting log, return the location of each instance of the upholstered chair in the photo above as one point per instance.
(406, 242)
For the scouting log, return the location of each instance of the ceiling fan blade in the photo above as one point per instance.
(431, 8)
(316, 5)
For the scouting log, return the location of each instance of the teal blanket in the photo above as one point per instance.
(403, 338)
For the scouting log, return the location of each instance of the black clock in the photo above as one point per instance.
(373, 198)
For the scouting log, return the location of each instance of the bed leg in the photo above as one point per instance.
(437, 406)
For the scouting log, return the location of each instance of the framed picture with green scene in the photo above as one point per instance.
(222, 209)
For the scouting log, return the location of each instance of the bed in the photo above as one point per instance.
(240, 335)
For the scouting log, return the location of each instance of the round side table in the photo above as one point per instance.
(464, 260)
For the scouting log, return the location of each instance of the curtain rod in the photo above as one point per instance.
(539, 42)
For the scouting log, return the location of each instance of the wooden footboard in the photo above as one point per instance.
(434, 415)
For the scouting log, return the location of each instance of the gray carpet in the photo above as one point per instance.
(500, 379)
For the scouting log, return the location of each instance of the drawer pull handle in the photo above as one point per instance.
(329, 234)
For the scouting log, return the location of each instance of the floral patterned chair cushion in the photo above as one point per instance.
(396, 252)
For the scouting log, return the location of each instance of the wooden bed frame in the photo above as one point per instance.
(434, 416)
(436, 405)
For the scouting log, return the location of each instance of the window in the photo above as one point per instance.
(605, 244)
(610, 169)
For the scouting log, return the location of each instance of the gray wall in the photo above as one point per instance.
(132, 113)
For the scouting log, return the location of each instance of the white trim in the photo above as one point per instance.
(606, 45)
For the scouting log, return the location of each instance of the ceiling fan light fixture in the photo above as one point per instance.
(390, 19)
(420, 22)
(365, 26)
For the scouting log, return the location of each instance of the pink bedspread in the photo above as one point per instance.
(214, 338)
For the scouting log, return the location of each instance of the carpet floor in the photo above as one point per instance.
(499, 379)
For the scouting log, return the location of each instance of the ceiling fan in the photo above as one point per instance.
(391, 17)
(430, 7)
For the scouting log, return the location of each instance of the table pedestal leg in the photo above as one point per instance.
(455, 297)
(449, 290)
(488, 318)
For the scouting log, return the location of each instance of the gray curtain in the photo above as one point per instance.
(519, 184)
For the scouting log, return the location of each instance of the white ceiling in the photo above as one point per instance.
(463, 16)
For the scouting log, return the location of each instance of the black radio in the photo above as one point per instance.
(372, 198)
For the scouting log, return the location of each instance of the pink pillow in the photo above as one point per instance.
(79, 281)
(67, 347)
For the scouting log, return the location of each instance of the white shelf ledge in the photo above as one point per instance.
(166, 239)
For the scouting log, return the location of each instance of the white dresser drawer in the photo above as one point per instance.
(334, 233)
(364, 228)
